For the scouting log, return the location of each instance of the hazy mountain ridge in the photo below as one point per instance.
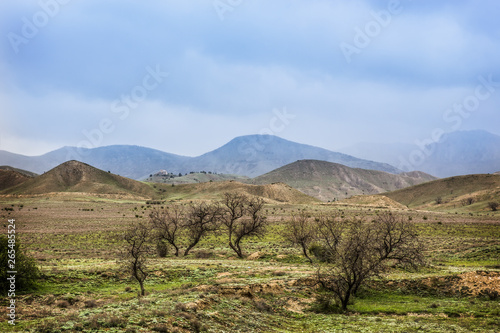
(457, 153)
(250, 156)
(333, 181)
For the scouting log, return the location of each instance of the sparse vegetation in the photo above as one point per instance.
(82, 287)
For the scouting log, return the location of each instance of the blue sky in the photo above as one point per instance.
(188, 76)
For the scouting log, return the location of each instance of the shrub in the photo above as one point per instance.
(161, 249)
(262, 306)
(63, 304)
(203, 254)
(90, 303)
(493, 205)
(25, 266)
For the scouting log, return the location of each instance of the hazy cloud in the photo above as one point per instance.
(64, 64)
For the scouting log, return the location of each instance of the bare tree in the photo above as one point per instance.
(234, 210)
(353, 251)
(397, 240)
(253, 225)
(135, 251)
(300, 231)
(168, 224)
(493, 205)
(467, 201)
(201, 219)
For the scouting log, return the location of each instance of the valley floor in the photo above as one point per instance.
(76, 242)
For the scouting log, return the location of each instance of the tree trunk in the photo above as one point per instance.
(304, 250)
(141, 283)
(236, 250)
(190, 247)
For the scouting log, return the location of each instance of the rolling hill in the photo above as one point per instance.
(10, 177)
(77, 177)
(251, 156)
(331, 181)
(278, 192)
(468, 193)
(21, 171)
(192, 178)
(74, 176)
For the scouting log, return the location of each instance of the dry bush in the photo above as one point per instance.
(63, 304)
(262, 306)
(203, 254)
(90, 303)
(493, 205)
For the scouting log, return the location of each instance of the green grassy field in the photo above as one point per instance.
(76, 241)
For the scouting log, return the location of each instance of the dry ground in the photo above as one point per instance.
(76, 241)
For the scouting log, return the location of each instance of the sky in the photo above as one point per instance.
(186, 77)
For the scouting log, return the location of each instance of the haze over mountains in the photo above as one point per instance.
(250, 156)
(457, 153)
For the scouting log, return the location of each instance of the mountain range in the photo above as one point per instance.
(456, 153)
(251, 156)
(297, 182)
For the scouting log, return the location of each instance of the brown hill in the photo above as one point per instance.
(331, 181)
(21, 171)
(372, 201)
(74, 176)
(10, 178)
(277, 192)
(468, 193)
